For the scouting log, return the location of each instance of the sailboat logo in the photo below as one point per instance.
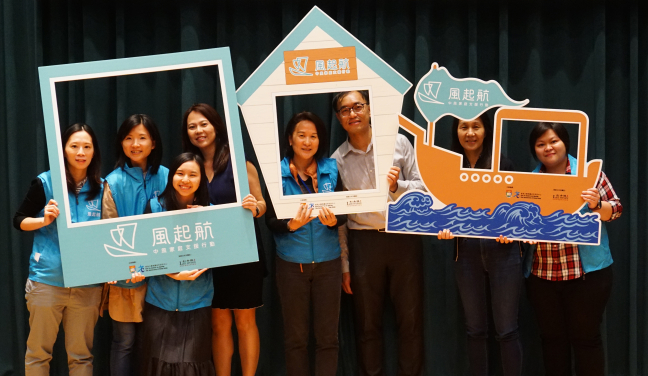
(431, 89)
(93, 205)
(299, 66)
(123, 234)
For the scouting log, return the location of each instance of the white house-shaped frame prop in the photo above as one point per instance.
(322, 57)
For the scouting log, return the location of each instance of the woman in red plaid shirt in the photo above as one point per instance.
(568, 284)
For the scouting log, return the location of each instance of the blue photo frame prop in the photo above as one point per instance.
(159, 243)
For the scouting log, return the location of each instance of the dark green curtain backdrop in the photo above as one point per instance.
(586, 55)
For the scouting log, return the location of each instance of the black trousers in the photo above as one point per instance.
(380, 264)
(569, 315)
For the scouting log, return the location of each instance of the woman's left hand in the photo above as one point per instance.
(592, 197)
(250, 203)
(187, 275)
(327, 217)
(503, 239)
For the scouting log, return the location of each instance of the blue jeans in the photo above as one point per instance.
(484, 264)
(122, 351)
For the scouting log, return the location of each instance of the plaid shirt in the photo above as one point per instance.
(561, 262)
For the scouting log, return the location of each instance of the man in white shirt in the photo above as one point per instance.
(375, 263)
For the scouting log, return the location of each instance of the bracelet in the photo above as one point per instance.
(257, 212)
(598, 206)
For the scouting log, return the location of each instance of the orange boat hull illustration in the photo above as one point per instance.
(443, 175)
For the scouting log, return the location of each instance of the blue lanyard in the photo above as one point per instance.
(304, 183)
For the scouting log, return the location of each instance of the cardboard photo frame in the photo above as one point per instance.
(304, 63)
(159, 243)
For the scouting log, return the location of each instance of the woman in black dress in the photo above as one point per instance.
(237, 288)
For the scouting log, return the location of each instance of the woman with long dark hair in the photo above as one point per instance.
(237, 288)
(484, 265)
(48, 301)
(177, 317)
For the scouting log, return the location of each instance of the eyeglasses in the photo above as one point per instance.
(358, 108)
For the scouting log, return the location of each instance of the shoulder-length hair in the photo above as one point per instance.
(487, 145)
(94, 168)
(201, 196)
(155, 158)
(541, 128)
(222, 153)
(322, 135)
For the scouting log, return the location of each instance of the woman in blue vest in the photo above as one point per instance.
(308, 268)
(177, 318)
(568, 284)
(237, 288)
(137, 178)
(48, 301)
(487, 265)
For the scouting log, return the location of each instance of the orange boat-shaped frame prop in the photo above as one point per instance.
(443, 175)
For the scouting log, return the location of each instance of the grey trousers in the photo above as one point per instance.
(78, 309)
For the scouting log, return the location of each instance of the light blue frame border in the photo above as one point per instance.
(84, 253)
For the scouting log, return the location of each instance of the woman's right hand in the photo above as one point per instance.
(445, 235)
(51, 212)
(303, 217)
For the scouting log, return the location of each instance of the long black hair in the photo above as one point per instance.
(487, 146)
(541, 128)
(322, 135)
(155, 158)
(201, 196)
(94, 168)
(222, 154)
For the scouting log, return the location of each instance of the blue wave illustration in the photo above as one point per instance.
(520, 220)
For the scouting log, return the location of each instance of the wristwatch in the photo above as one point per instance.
(257, 212)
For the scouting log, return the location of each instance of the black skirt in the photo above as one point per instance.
(177, 343)
(241, 286)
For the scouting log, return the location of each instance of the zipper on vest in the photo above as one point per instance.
(311, 241)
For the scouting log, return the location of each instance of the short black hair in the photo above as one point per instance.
(541, 128)
(322, 134)
(487, 150)
(201, 196)
(93, 173)
(341, 95)
(155, 158)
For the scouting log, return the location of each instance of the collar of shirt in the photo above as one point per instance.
(346, 148)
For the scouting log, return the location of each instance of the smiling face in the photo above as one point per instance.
(201, 132)
(354, 123)
(471, 135)
(551, 152)
(79, 151)
(304, 140)
(137, 146)
(186, 179)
